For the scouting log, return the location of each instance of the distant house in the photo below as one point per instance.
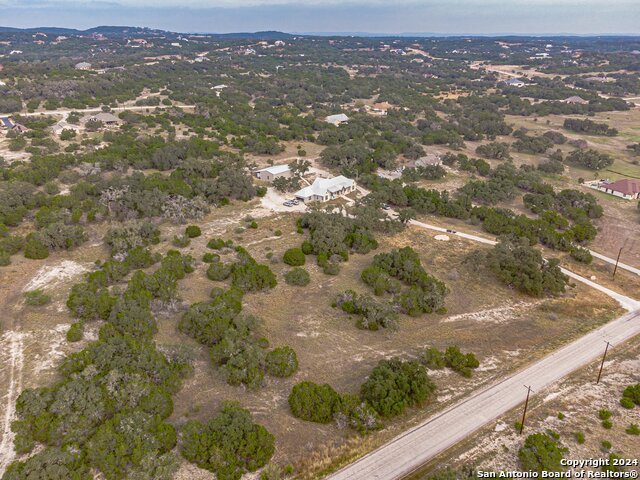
(429, 159)
(269, 174)
(7, 124)
(104, 117)
(337, 119)
(325, 189)
(83, 66)
(279, 43)
(514, 82)
(380, 108)
(576, 100)
(626, 188)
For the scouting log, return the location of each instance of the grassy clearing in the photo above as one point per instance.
(506, 330)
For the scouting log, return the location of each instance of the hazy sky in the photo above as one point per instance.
(391, 16)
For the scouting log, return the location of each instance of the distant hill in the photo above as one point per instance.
(117, 31)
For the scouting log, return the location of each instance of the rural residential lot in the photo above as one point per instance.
(277, 256)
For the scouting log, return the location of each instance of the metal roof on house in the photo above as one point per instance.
(338, 118)
(322, 186)
(6, 121)
(274, 169)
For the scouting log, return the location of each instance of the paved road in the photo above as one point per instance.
(412, 449)
(98, 109)
(409, 451)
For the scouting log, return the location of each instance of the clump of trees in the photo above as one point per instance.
(395, 385)
(371, 315)
(494, 150)
(235, 345)
(423, 293)
(426, 172)
(517, 264)
(392, 386)
(229, 444)
(589, 127)
(591, 159)
(134, 234)
(114, 396)
(452, 357)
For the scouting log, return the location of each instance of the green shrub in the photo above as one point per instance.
(193, 231)
(229, 444)
(432, 358)
(460, 362)
(626, 402)
(294, 257)
(604, 414)
(36, 298)
(605, 445)
(181, 241)
(253, 224)
(561, 416)
(331, 269)
(307, 248)
(395, 385)
(210, 257)
(579, 436)
(581, 255)
(218, 244)
(35, 249)
(314, 403)
(5, 258)
(278, 233)
(607, 424)
(633, 429)
(219, 271)
(75, 332)
(297, 276)
(356, 414)
(542, 452)
(632, 392)
(282, 362)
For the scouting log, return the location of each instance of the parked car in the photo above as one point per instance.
(385, 206)
(451, 231)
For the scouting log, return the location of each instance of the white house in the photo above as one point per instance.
(269, 174)
(514, 82)
(337, 119)
(83, 66)
(325, 189)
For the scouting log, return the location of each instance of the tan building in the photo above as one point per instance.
(269, 174)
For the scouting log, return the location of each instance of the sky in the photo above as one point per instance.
(344, 16)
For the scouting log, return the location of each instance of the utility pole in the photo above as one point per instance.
(602, 364)
(617, 260)
(526, 404)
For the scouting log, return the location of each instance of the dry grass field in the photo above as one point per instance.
(505, 329)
